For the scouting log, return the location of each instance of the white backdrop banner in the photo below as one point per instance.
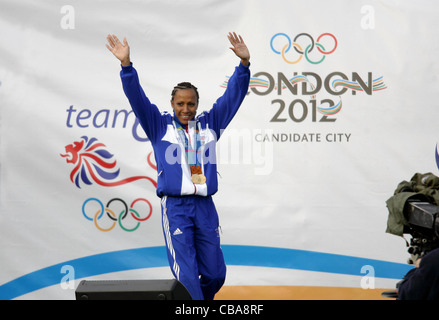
(340, 109)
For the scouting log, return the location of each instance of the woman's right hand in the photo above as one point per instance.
(120, 51)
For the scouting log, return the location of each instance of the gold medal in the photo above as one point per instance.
(202, 178)
(198, 179)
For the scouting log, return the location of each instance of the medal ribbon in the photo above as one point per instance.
(192, 143)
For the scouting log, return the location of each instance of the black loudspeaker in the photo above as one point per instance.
(131, 290)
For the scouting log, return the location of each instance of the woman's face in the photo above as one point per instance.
(185, 105)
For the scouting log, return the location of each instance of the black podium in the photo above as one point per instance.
(131, 290)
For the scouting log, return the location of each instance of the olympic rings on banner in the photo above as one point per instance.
(299, 49)
(335, 42)
(284, 51)
(117, 218)
(280, 34)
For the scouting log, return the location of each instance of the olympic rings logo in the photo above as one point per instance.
(299, 49)
(115, 218)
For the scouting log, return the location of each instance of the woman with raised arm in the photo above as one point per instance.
(184, 148)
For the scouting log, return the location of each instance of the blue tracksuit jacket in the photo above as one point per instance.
(174, 178)
(189, 218)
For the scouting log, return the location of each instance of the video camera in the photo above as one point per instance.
(414, 210)
(423, 226)
(422, 223)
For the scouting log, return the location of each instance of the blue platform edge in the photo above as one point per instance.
(235, 255)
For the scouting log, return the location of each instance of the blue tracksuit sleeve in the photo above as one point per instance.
(147, 113)
(228, 104)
